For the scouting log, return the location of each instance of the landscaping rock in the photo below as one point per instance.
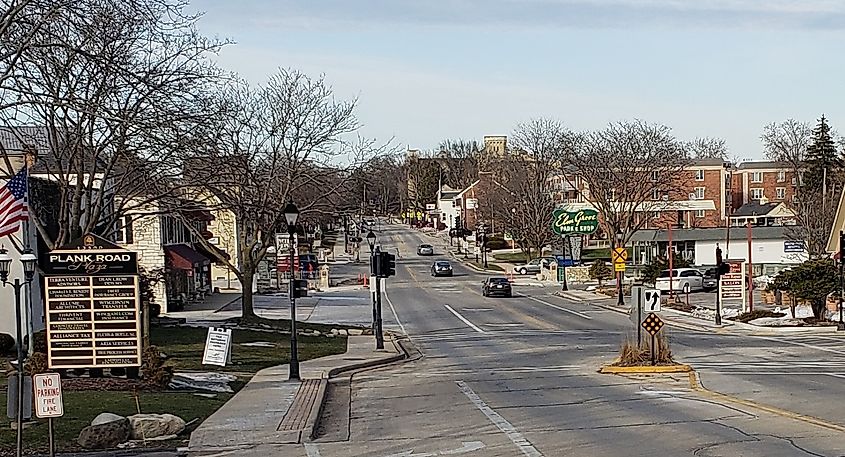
(356, 331)
(105, 418)
(149, 426)
(106, 431)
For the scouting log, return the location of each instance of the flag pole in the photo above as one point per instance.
(30, 331)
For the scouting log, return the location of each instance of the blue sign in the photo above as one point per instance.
(793, 246)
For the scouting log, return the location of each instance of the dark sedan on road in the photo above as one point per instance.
(441, 268)
(496, 287)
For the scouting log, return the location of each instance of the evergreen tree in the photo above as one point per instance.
(823, 163)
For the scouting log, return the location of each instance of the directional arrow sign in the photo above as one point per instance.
(652, 300)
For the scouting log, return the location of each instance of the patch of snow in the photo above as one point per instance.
(258, 344)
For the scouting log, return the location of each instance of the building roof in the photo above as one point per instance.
(711, 234)
(450, 195)
(763, 164)
(709, 162)
(16, 140)
(755, 208)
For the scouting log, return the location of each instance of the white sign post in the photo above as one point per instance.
(48, 402)
(652, 300)
(218, 347)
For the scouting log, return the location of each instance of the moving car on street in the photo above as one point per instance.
(441, 268)
(534, 266)
(710, 280)
(679, 279)
(496, 286)
(425, 249)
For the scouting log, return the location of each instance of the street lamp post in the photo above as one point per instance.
(621, 298)
(371, 240)
(28, 261)
(291, 215)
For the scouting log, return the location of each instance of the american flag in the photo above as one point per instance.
(13, 207)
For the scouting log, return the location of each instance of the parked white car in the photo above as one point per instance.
(680, 278)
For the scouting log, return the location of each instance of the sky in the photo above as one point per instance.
(427, 70)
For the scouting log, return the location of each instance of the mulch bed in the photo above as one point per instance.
(108, 384)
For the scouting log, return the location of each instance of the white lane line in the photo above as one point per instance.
(393, 310)
(806, 345)
(465, 321)
(576, 313)
(312, 450)
(512, 433)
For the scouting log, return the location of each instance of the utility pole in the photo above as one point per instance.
(750, 269)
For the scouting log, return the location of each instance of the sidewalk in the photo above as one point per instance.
(270, 410)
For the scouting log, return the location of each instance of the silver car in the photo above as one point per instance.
(425, 249)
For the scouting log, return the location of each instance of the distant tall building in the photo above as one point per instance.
(495, 144)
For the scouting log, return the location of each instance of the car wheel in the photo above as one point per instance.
(523, 271)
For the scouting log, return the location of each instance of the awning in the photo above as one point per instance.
(183, 257)
(213, 254)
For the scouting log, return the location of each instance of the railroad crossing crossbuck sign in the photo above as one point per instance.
(652, 300)
(652, 324)
(619, 255)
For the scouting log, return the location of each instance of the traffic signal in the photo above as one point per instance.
(721, 266)
(387, 265)
(300, 288)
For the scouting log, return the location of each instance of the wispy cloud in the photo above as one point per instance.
(333, 14)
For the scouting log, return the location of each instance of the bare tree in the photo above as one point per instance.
(622, 167)
(423, 175)
(814, 206)
(116, 88)
(521, 196)
(706, 148)
(459, 160)
(270, 145)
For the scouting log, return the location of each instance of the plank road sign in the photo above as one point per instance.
(652, 324)
(48, 395)
(619, 255)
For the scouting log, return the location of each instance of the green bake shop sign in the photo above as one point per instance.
(582, 222)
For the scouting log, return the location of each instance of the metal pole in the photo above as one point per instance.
(718, 295)
(841, 278)
(19, 333)
(372, 291)
(653, 340)
(671, 254)
(750, 269)
(51, 437)
(294, 357)
(565, 287)
(379, 334)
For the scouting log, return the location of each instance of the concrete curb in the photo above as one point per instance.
(317, 413)
(646, 369)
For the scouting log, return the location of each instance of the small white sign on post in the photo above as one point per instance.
(218, 347)
(48, 395)
(651, 298)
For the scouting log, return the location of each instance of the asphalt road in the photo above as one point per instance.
(514, 377)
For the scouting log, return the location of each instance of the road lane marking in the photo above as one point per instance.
(393, 310)
(312, 450)
(506, 427)
(465, 320)
(798, 343)
(561, 308)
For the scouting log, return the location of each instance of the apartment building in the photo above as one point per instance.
(767, 181)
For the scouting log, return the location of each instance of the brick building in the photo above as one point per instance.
(768, 181)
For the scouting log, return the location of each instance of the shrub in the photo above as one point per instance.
(36, 364)
(153, 370)
(497, 243)
(40, 341)
(601, 271)
(7, 342)
(632, 355)
(756, 314)
(812, 281)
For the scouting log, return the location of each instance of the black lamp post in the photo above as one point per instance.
(291, 216)
(621, 275)
(28, 261)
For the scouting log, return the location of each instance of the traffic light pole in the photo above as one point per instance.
(294, 353)
(379, 331)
